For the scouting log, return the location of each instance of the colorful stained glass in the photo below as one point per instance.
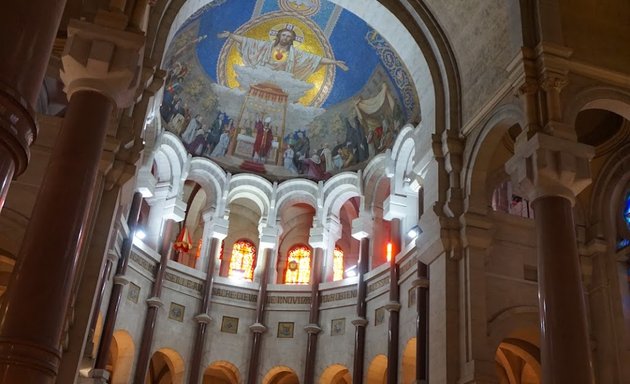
(242, 260)
(298, 266)
(626, 210)
(337, 264)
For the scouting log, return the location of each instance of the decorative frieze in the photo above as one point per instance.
(339, 296)
(179, 280)
(235, 295)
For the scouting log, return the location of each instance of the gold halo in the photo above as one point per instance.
(292, 6)
(262, 28)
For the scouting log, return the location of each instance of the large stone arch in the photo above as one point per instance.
(599, 97)
(377, 370)
(479, 152)
(121, 357)
(174, 363)
(210, 177)
(221, 372)
(335, 374)
(280, 374)
(337, 190)
(251, 187)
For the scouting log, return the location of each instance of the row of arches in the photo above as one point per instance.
(167, 367)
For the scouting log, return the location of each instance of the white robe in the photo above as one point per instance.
(259, 53)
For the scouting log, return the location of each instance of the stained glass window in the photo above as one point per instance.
(242, 260)
(298, 266)
(626, 210)
(337, 264)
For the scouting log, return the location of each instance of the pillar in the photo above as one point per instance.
(32, 322)
(154, 303)
(258, 328)
(22, 68)
(393, 307)
(120, 281)
(362, 227)
(215, 231)
(421, 284)
(313, 328)
(553, 171)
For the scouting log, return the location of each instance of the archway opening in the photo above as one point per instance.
(409, 362)
(377, 371)
(165, 367)
(518, 362)
(221, 372)
(121, 357)
(336, 374)
(281, 375)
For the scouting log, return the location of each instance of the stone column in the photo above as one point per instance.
(32, 322)
(421, 284)
(258, 328)
(361, 229)
(215, 233)
(22, 68)
(313, 328)
(393, 307)
(120, 280)
(553, 171)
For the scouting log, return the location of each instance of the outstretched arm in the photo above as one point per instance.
(339, 63)
(230, 35)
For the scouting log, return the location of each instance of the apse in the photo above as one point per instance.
(284, 88)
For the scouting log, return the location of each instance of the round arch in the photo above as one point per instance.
(336, 374)
(121, 357)
(165, 364)
(377, 371)
(221, 372)
(409, 362)
(281, 374)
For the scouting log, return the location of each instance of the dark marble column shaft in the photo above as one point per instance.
(25, 56)
(359, 335)
(422, 323)
(116, 295)
(33, 322)
(154, 304)
(394, 323)
(565, 352)
(312, 333)
(203, 318)
(257, 329)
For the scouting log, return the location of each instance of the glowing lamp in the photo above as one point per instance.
(389, 251)
(183, 242)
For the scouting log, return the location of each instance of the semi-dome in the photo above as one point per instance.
(292, 89)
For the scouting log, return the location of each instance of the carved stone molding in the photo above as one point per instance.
(312, 329)
(550, 166)
(258, 328)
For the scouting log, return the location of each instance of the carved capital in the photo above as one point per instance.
(529, 87)
(360, 322)
(258, 328)
(121, 280)
(17, 126)
(549, 166)
(155, 302)
(203, 318)
(553, 83)
(312, 329)
(102, 59)
(392, 306)
(421, 282)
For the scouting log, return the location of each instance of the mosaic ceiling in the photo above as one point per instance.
(285, 88)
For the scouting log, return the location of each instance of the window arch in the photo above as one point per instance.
(242, 260)
(298, 265)
(338, 264)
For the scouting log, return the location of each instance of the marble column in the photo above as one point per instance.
(421, 285)
(120, 280)
(553, 171)
(258, 328)
(360, 322)
(393, 307)
(215, 231)
(25, 54)
(203, 318)
(154, 303)
(313, 328)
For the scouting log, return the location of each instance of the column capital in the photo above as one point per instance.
(362, 227)
(312, 329)
(359, 322)
(102, 59)
(121, 280)
(258, 328)
(203, 318)
(18, 128)
(392, 306)
(547, 165)
(269, 237)
(155, 302)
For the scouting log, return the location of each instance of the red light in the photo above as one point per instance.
(389, 251)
